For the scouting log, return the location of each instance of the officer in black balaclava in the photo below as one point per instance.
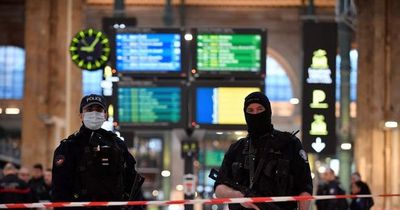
(257, 111)
(268, 162)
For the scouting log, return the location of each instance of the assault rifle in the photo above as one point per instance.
(135, 189)
(246, 191)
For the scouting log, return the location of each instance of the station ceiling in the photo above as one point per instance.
(250, 3)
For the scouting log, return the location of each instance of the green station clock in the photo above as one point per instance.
(90, 49)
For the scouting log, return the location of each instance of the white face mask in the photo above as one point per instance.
(93, 120)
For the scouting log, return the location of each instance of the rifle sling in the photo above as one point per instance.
(254, 175)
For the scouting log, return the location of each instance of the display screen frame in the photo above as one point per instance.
(215, 84)
(163, 73)
(198, 73)
(151, 84)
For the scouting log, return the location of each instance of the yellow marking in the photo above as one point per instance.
(104, 58)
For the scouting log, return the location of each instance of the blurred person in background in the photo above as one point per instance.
(47, 180)
(37, 183)
(25, 174)
(331, 186)
(14, 189)
(360, 188)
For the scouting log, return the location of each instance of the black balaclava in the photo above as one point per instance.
(258, 124)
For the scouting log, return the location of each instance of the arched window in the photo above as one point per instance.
(353, 76)
(12, 68)
(277, 84)
(91, 82)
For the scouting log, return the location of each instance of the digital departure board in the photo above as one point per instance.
(230, 52)
(146, 51)
(221, 105)
(149, 105)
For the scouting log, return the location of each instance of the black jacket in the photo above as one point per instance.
(67, 166)
(15, 190)
(40, 189)
(291, 152)
(331, 188)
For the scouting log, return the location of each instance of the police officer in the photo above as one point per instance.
(94, 164)
(331, 186)
(267, 162)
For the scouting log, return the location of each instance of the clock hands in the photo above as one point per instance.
(91, 47)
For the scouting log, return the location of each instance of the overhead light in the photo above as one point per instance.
(155, 193)
(179, 187)
(1, 110)
(188, 37)
(239, 133)
(12, 111)
(391, 124)
(321, 169)
(294, 101)
(165, 173)
(345, 146)
(220, 133)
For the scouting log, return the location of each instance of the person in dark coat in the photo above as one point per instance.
(37, 183)
(331, 186)
(14, 189)
(360, 188)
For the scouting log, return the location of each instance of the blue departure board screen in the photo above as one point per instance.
(149, 105)
(148, 52)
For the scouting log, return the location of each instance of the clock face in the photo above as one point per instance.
(90, 49)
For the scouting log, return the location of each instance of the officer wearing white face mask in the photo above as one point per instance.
(94, 164)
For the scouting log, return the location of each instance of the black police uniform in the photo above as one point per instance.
(92, 166)
(267, 162)
(286, 171)
(331, 188)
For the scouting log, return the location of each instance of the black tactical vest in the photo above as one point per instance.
(100, 170)
(273, 176)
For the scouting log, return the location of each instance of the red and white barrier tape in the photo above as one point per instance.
(197, 201)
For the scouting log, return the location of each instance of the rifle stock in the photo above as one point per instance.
(135, 189)
(247, 192)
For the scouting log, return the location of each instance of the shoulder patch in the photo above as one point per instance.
(59, 160)
(303, 155)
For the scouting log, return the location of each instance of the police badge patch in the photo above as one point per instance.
(303, 155)
(59, 160)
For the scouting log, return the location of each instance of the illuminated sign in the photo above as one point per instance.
(219, 105)
(319, 72)
(148, 52)
(228, 52)
(318, 98)
(318, 120)
(150, 104)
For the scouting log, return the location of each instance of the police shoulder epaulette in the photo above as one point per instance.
(70, 137)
